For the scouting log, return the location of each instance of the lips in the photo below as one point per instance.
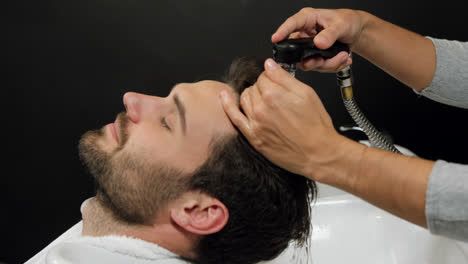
(116, 129)
(113, 129)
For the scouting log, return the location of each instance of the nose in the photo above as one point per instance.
(137, 104)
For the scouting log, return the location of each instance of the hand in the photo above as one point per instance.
(326, 26)
(286, 122)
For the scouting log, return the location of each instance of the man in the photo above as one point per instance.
(176, 182)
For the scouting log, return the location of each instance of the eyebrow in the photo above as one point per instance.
(181, 111)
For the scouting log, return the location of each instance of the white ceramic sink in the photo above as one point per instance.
(349, 230)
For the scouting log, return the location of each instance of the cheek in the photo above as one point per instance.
(156, 146)
(147, 141)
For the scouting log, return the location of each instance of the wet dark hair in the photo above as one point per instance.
(268, 206)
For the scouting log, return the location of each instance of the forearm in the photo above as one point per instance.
(407, 56)
(393, 182)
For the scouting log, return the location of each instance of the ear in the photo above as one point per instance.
(200, 214)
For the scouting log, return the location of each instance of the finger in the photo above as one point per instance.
(300, 34)
(246, 102)
(306, 18)
(304, 34)
(329, 65)
(234, 114)
(269, 91)
(348, 62)
(295, 35)
(279, 76)
(259, 109)
(311, 64)
(334, 64)
(327, 37)
(255, 97)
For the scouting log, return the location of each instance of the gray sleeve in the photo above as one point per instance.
(447, 200)
(450, 82)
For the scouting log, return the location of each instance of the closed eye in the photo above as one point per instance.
(164, 123)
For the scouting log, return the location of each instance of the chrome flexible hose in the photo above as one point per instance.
(344, 78)
(376, 138)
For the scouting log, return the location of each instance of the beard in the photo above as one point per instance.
(134, 189)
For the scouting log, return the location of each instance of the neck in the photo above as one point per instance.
(98, 220)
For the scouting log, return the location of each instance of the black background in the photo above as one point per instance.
(70, 62)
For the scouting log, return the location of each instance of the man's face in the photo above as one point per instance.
(139, 160)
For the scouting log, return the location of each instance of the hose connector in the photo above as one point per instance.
(344, 79)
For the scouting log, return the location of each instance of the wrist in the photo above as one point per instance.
(367, 24)
(341, 168)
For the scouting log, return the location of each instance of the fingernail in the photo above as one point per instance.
(271, 65)
(274, 37)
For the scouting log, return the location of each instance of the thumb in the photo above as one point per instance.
(279, 76)
(235, 115)
(327, 37)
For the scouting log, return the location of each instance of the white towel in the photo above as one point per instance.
(74, 248)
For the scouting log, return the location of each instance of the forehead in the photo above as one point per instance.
(204, 112)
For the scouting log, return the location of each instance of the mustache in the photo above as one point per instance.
(123, 121)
